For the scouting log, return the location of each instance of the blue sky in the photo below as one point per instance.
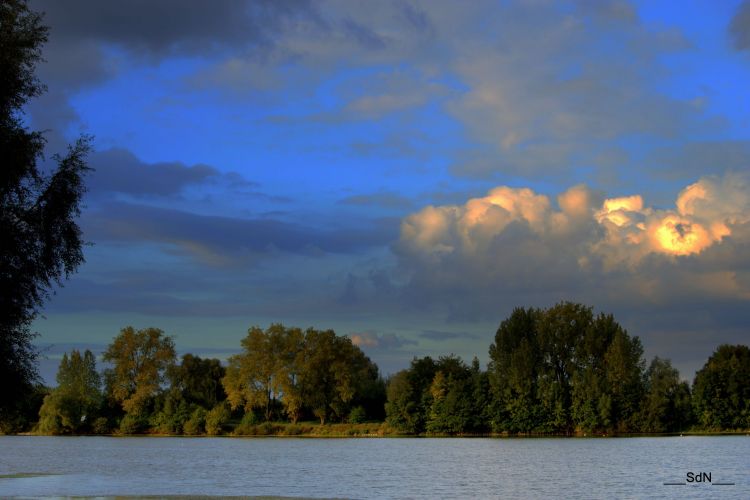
(403, 172)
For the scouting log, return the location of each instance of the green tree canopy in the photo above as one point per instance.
(452, 406)
(333, 373)
(41, 241)
(409, 398)
(666, 402)
(563, 369)
(72, 405)
(199, 380)
(140, 360)
(721, 390)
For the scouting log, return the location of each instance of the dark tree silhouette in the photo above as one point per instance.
(40, 242)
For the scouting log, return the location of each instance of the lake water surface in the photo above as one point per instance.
(375, 468)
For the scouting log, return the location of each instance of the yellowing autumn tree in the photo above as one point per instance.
(140, 359)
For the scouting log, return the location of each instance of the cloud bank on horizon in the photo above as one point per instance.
(405, 172)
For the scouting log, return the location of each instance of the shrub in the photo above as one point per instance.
(196, 423)
(133, 424)
(101, 426)
(217, 418)
(247, 425)
(357, 415)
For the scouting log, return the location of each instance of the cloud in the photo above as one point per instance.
(382, 200)
(515, 244)
(91, 42)
(118, 170)
(693, 158)
(171, 26)
(529, 104)
(533, 102)
(739, 27)
(221, 240)
(388, 92)
(441, 336)
(704, 214)
(379, 341)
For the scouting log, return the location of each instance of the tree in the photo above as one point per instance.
(199, 380)
(592, 404)
(409, 398)
(289, 371)
(72, 405)
(41, 241)
(401, 407)
(515, 359)
(141, 359)
(666, 402)
(316, 370)
(452, 407)
(624, 379)
(562, 369)
(251, 377)
(560, 330)
(331, 373)
(721, 390)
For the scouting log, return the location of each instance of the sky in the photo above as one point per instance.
(404, 172)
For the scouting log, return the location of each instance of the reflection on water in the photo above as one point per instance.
(374, 468)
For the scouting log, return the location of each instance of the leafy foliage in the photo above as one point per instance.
(73, 405)
(314, 371)
(562, 369)
(41, 242)
(721, 390)
(141, 360)
(196, 424)
(199, 380)
(666, 403)
(217, 419)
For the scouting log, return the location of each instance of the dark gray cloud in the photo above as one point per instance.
(365, 36)
(382, 200)
(694, 159)
(224, 240)
(418, 18)
(118, 170)
(149, 296)
(170, 26)
(739, 27)
(441, 336)
(613, 10)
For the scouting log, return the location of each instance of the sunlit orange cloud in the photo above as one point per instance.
(364, 339)
(680, 236)
(704, 215)
(619, 210)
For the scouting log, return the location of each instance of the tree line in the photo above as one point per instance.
(281, 374)
(561, 370)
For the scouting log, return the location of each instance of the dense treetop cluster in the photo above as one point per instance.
(561, 370)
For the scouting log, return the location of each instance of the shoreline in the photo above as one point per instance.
(381, 430)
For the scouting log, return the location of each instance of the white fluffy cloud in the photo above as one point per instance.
(585, 244)
(704, 215)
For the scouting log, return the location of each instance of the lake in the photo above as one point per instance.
(375, 468)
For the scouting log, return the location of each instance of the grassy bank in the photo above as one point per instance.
(313, 429)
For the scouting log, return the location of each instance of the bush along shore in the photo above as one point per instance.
(561, 371)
